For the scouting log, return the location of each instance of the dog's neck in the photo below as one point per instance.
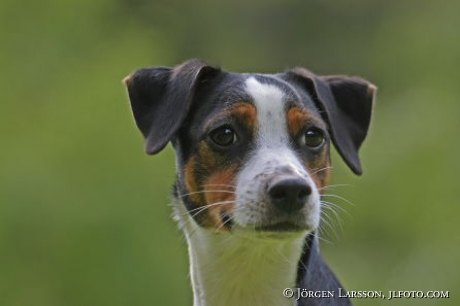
(229, 269)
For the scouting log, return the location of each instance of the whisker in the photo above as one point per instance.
(333, 206)
(338, 218)
(315, 171)
(320, 236)
(202, 208)
(338, 197)
(336, 215)
(224, 185)
(335, 185)
(205, 191)
(326, 220)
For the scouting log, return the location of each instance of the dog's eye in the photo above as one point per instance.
(223, 136)
(313, 138)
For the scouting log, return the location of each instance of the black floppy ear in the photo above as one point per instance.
(346, 104)
(161, 98)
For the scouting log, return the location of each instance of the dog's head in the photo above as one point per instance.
(252, 150)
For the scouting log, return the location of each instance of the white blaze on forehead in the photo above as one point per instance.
(273, 158)
(269, 101)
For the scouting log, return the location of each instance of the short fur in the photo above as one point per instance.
(252, 156)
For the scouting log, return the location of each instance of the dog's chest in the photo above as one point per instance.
(228, 271)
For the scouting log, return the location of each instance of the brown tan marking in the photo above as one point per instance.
(220, 189)
(208, 177)
(191, 182)
(298, 118)
(320, 173)
(196, 194)
(244, 112)
(319, 167)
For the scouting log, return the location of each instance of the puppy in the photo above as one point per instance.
(252, 158)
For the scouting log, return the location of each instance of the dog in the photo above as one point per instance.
(253, 160)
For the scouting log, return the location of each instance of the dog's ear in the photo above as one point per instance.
(346, 104)
(161, 97)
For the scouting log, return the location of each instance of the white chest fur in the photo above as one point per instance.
(237, 270)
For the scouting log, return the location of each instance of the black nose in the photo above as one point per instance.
(289, 195)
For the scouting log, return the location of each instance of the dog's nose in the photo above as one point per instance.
(289, 195)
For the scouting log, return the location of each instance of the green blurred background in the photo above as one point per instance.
(84, 215)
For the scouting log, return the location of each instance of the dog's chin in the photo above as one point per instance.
(282, 227)
(277, 231)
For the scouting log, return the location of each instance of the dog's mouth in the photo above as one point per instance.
(278, 224)
(282, 227)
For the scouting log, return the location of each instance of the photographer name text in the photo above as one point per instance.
(301, 293)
